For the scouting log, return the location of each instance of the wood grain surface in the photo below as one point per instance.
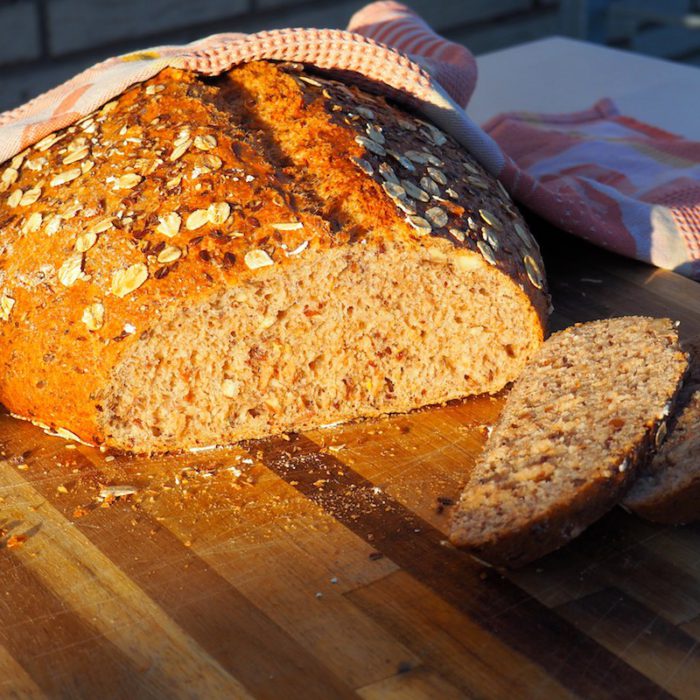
(316, 565)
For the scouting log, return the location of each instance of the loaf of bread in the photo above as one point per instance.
(669, 490)
(206, 260)
(576, 429)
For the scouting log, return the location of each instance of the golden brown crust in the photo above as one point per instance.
(175, 190)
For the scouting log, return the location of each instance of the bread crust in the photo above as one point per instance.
(175, 191)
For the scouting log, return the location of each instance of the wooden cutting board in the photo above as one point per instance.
(316, 566)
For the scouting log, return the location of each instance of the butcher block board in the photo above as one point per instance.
(317, 566)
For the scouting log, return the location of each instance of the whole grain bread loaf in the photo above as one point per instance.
(576, 429)
(206, 260)
(669, 489)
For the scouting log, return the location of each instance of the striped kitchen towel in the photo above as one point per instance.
(620, 184)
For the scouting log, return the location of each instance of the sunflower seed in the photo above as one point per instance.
(533, 271)
(154, 89)
(71, 270)
(169, 254)
(522, 234)
(416, 157)
(257, 258)
(471, 168)
(420, 224)
(288, 226)
(375, 133)
(451, 193)
(435, 135)
(433, 159)
(430, 186)
(365, 112)
(94, 316)
(407, 125)
(169, 224)
(490, 219)
(127, 280)
(478, 182)
(197, 219)
(7, 303)
(405, 204)
(403, 161)
(85, 241)
(363, 165)
(393, 190)
(218, 212)
(370, 145)
(387, 172)
(486, 250)
(437, 217)
(414, 191)
(437, 175)
(30, 196)
(205, 142)
(310, 81)
(458, 235)
(490, 237)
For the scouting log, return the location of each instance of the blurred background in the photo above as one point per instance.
(43, 42)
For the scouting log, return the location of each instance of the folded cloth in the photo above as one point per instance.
(610, 179)
(620, 184)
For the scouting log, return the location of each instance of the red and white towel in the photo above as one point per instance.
(623, 185)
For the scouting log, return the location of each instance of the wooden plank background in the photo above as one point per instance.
(317, 566)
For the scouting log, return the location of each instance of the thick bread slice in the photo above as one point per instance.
(574, 432)
(669, 490)
(206, 260)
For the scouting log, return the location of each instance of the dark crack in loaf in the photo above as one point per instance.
(202, 261)
(576, 429)
(669, 491)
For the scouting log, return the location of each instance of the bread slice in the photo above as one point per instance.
(669, 490)
(575, 430)
(206, 260)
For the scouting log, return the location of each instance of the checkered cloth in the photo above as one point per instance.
(623, 185)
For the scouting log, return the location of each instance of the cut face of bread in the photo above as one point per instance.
(669, 490)
(575, 430)
(344, 334)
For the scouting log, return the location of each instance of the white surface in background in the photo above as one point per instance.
(563, 75)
